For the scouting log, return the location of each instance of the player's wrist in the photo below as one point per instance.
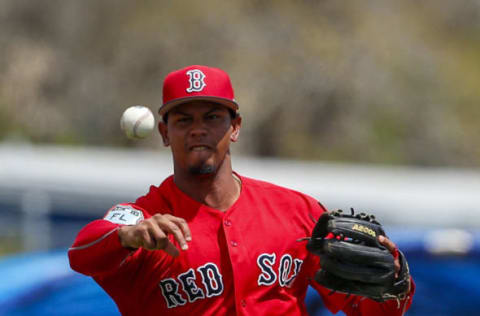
(124, 237)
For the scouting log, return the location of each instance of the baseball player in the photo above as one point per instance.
(207, 240)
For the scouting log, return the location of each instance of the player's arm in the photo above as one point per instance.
(103, 246)
(97, 249)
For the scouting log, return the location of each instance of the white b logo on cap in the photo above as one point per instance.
(197, 82)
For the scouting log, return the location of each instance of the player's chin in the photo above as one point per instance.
(204, 169)
(202, 165)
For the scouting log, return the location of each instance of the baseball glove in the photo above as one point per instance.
(353, 261)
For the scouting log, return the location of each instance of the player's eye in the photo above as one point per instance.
(212, 116)
(183, 119)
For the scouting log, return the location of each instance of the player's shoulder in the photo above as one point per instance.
(272, 190)
(163, 188)
(294, 205)
(157, 197)
(261, 185)
(153, 202)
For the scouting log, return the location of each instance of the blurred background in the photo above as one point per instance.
(372, 105)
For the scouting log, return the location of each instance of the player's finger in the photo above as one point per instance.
(161, 241)
(172, 228)
(146, 240)
(159, 237)
(182, 223)
(171, 249)
(390, 245)
(165, 245)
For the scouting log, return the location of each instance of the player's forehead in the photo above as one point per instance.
(194, 107)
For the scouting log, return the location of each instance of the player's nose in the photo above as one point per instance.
(198, 129)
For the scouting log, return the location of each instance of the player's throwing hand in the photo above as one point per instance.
(152, 234)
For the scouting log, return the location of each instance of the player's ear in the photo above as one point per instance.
(162, 128)
(236, 124)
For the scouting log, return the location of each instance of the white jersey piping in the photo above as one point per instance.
(95, 241)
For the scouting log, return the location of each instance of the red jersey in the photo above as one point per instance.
(244, 261)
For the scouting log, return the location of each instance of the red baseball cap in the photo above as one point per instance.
(197, 83)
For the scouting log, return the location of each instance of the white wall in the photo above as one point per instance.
(397, 195)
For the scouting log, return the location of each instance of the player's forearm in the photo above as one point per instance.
(97, 249)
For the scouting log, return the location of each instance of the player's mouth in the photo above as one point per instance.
(199, 148)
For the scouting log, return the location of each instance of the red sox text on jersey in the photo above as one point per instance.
(185, 288)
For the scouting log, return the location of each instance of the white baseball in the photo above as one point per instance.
(137, 122)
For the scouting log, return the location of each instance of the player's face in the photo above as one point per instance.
(199, 134)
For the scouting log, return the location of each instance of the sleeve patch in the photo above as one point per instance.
(124, 214)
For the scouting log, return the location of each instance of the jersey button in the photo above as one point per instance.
(228, 223)
(234, 243)
(243, 303)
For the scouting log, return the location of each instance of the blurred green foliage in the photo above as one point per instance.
(362, 81)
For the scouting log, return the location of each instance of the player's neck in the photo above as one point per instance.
(219, 191)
